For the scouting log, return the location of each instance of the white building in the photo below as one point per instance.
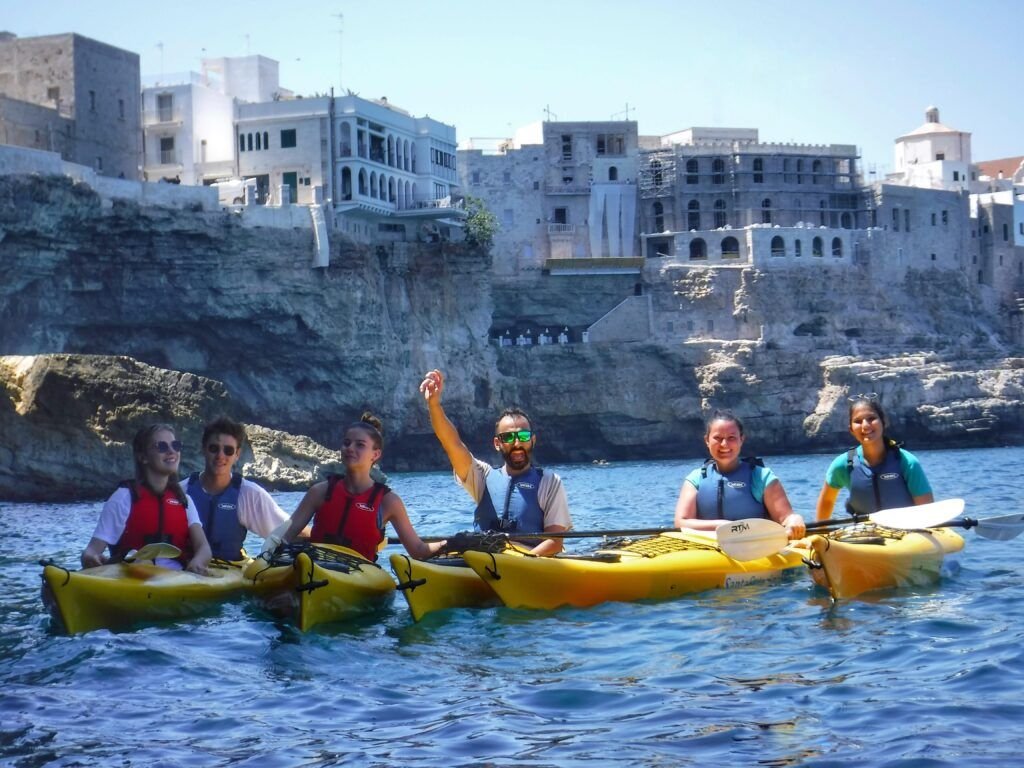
(934, 156)
(188, 119)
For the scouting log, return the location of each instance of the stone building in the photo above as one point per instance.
(707, 180)
(563, 192)
(72, 95)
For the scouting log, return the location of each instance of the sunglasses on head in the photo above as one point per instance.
(522, 435)
(172, 447)
(227, 450)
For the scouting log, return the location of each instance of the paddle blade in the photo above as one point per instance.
(154, 551)
(919, 516)
(1001, 528)
(751, 539)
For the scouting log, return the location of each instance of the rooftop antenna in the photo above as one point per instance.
(341, 30)
(625, 112)
(549, 113)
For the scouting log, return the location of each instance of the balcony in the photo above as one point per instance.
(162, 117)
(561, 229)
(567, 189)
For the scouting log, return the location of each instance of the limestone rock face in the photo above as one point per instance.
(265, 336)
(67, 423)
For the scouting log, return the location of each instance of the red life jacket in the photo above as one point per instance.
(351, 520)
(155, 519)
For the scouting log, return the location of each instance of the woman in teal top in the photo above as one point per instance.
(879, 474)
(730, 487)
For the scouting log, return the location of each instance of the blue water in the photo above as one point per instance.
(763, 676)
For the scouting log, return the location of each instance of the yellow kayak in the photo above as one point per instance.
(860, 558)
(319, 583)
(663, 566)
(124, 594)
(440, 583)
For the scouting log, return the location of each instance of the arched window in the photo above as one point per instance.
(720, 216)
(613, 174)
(345, 147)
(698, 249)
(692, 169)
(766, 211)
(798, 248)
(241, 142)
(815, 170)
(718, 171)
(659, 217)
(373, 184)
(799, 171)
(362, 182)
(383, 187)
(816, 247)
(821, 213)
(266, 140)
(656, 172)
(391, 190)
(758, 170)
(248, 142)
(258, 147)
(778, 246)
(845, 221)
(346, 183)
(837, 247)
(693, 215)
(730, 248)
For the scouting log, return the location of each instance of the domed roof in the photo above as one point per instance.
(932, 126)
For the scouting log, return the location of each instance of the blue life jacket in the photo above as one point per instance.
(516, 497)
(219, 516)
(876, 488)
(729, 496)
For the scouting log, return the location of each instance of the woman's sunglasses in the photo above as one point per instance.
(172, 447)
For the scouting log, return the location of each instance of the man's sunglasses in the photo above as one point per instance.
(522, 435)
(172, 447)
(227, 450)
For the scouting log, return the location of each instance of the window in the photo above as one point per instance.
(656, 173)
(698, 249)
(693, 215)
(837, 247)
(895, 219)
(164, 107)
(248, 142)
(718, 171)
(92, 101)
(561, 215)
(766, 211)
(945, 217)
(778, 246)
(506, 176)
(659, 218)
(815, 171)
(730, 248)
(241, 143)
(933, 218)
(53, 94)
(287, 138)
(536, 185)
(933, 257)
(798, 248)
(906, 219)
(613, 174)
(167, 150)
(266, 140)
(566, 147)
(940, 156)
(720, 216)
(692, 168)
(821, 213)
(258, 147)
(956, 175)
(816, 247)
(476, 177)
(799, 171)
(758, 170)
(120, 109)
(1006, 232)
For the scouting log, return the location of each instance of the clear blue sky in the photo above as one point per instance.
(813, 71)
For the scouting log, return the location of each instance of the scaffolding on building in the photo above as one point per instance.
(657, 174)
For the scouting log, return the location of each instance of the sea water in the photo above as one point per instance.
(770, 675)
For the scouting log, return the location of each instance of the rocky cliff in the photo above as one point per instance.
(305, 350)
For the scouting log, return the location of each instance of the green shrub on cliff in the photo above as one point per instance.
(481, 224)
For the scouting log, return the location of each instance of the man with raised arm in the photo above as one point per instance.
(518, 497)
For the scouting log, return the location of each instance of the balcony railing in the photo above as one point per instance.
(561, 229)
(168, 157)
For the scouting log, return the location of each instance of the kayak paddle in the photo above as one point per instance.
(153, 551)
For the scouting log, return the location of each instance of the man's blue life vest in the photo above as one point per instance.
(516, 498)
(219, 516)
